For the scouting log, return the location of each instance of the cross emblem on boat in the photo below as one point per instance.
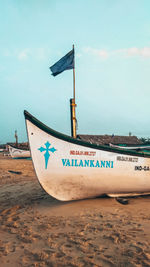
(47, 150)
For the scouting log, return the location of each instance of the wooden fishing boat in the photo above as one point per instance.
(16, 152)
(70, 169)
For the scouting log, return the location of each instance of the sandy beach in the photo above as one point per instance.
(38, 230)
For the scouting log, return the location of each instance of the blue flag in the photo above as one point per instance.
(65, 63)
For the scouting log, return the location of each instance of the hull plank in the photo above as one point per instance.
(69, 169)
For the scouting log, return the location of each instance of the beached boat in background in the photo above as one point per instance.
(70, 169)
(143, 148)
(16, 152)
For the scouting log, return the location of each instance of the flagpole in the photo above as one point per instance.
(73, 78)
(65, 63)
(73, 106)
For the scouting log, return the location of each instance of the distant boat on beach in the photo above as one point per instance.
(144, 148)
(16, 152)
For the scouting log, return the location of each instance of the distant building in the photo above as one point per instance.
(113, 139)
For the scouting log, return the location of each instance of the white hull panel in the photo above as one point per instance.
(18, 153)
(70, 170)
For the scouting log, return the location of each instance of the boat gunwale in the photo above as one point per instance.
(72, 140)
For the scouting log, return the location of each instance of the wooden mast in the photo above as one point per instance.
(72, 107)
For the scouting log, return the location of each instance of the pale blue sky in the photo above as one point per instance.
(112, 65)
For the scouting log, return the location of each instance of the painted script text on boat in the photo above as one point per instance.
(87, 163)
